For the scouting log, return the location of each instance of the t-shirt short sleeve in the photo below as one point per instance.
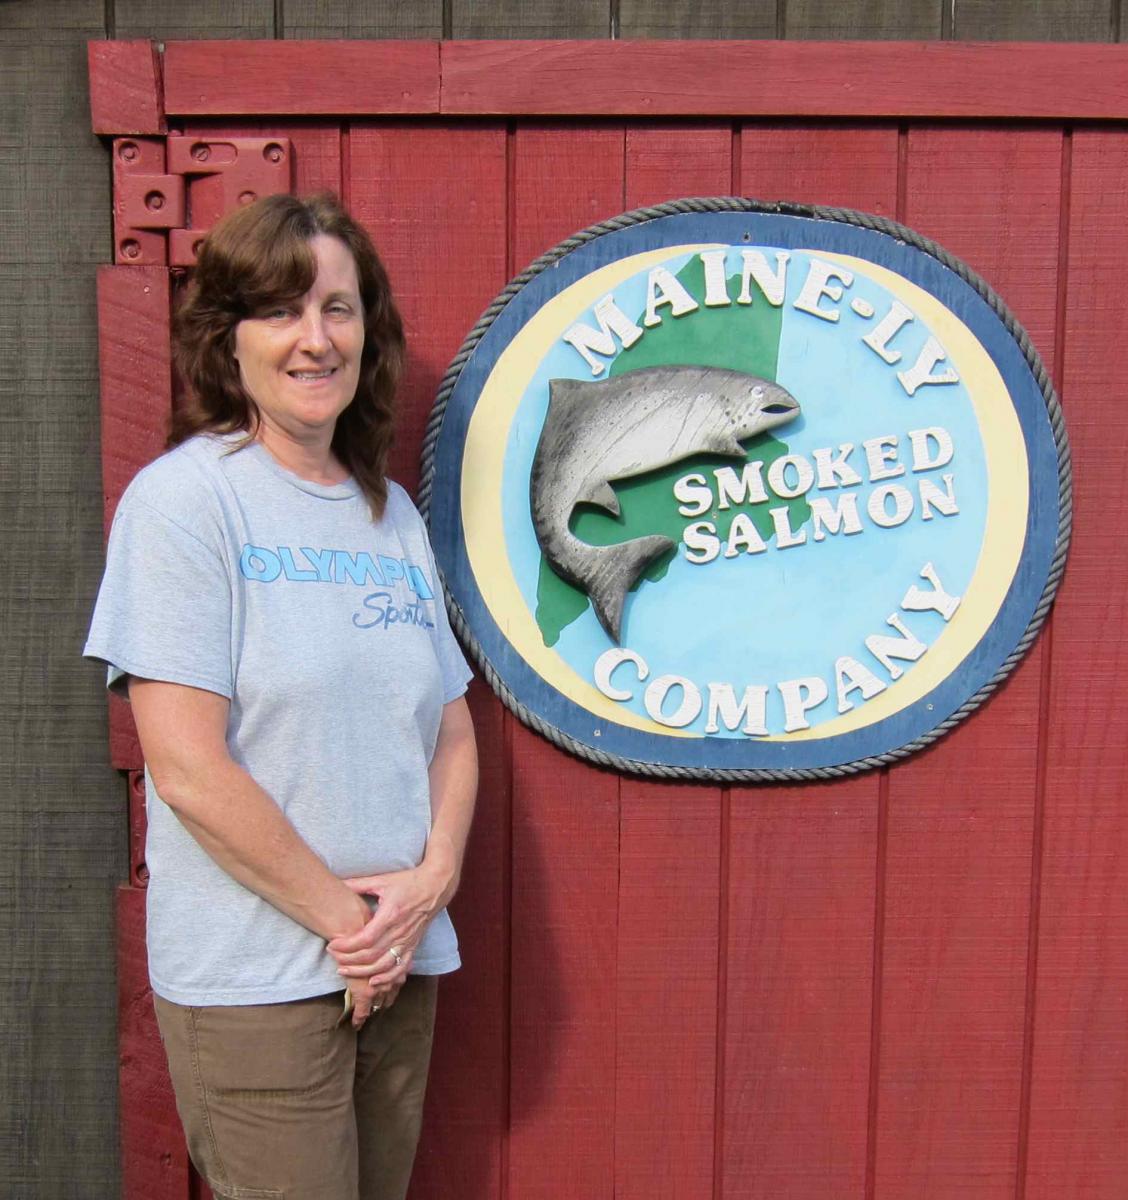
(456, 674)
(164, 607)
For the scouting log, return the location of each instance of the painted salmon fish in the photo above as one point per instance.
(596, 433)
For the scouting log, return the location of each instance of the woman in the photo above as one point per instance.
(272, 608)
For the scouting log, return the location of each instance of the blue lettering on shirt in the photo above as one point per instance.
(307, 565)
(385, 613)
(357, 568)
(381, 610)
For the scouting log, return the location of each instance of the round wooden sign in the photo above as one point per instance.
(729, 490)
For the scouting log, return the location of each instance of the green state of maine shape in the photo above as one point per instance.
(739, 337)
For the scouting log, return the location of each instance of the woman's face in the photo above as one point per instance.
(300, 360)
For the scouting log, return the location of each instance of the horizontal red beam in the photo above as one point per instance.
(771, 79)
(648, 78)
(215, 78)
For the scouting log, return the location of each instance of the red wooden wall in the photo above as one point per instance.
(912, 984)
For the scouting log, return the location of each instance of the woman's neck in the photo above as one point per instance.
(311, 459)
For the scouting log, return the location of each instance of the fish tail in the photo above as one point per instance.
(614, 571)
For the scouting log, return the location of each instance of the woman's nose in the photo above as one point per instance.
(313, 336)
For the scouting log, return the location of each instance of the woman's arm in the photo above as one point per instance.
(410, 899)
(183, 733)
(453, 778)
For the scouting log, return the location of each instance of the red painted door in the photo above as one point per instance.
(909, 984)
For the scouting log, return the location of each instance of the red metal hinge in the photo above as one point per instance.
(138, 828)
(168, 192)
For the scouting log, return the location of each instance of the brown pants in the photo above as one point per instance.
(288, 1102)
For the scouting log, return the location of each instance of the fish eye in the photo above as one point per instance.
(757, 392)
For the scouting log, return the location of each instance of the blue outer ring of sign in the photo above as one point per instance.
(789, 232)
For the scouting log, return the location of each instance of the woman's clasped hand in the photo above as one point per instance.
(377, 959)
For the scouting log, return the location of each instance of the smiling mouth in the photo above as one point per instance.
(312, 376)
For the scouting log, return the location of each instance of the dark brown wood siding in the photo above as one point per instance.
(62, 840)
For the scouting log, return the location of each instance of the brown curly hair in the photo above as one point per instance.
(253, 258)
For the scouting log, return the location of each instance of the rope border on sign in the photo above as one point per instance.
(736, 204)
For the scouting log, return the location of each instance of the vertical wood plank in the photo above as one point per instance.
(803, 862)
(697, 19)
(669, 162)
(871, 20)
(666, 971)
(962, 815)
(442, 241)
(1033, 20)
(1000, 213)
(154, 1158)
(847, 166)
(168, 20)
(565, 177)
(347, 19)
(799, 968)
(460, 1152)
(135, 361)
(530, 18)
(954, 957)
(565, 910)
(565, 949)
(62, 823)
(444, 246)
(1079, 1078)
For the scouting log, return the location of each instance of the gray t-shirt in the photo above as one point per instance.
(327, 632)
